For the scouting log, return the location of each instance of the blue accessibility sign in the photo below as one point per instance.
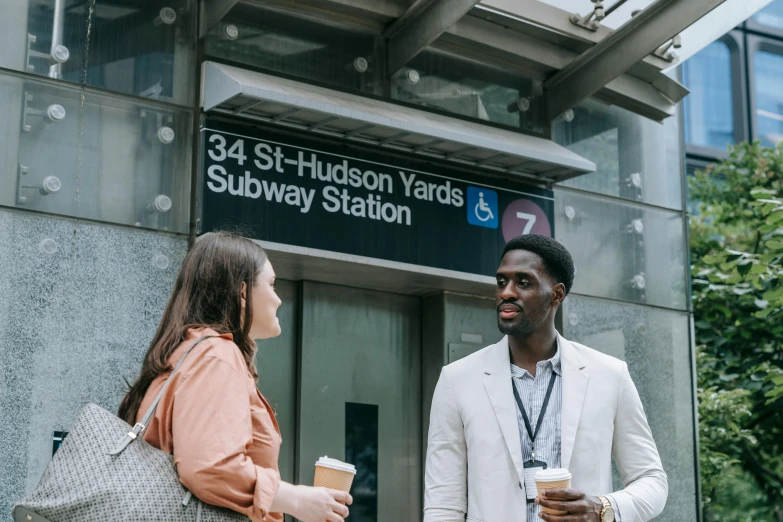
(482, 207)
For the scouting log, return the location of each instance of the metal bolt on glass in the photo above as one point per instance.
(570, 212)
(50, 185)
(639, 282)
(167, 16)
(573, 319)
(412, 76)
(360, 64)
(58, 55)
(568, 116)
(54, 113)
(634, 180)
(636, 226)
(161, 204)
(166, 135)
(231, 32)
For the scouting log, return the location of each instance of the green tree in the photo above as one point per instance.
(737, 268)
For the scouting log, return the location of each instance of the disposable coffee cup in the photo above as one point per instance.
(334, 474)
(556, 478)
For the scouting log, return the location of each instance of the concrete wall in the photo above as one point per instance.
(73, 325)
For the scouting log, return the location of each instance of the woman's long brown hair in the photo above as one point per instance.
(208, 294)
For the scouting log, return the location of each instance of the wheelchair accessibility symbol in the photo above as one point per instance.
(482, 207)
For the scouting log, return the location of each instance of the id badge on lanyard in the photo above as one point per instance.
(533, 465)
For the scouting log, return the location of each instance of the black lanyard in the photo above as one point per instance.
(530, 431)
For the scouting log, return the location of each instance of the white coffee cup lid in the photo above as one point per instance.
(551, 475)
(326, 462)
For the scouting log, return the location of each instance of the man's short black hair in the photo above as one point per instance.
(557, 260)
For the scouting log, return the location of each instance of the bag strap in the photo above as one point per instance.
(140, 426)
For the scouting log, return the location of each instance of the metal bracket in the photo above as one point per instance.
(21, 171)
(54, 113)
(29, 53)
(26, 99)
(590, 21)
(664, 53)
(58, 56)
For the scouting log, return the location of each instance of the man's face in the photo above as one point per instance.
(526, 296)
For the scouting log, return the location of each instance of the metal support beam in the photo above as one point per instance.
(212, 12)
(412, 34)
(629, 44)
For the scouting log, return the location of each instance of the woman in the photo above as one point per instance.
(212, 419)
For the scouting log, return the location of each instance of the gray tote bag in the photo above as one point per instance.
(105, 472)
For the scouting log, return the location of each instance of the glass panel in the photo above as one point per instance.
(276, 362)
(622, 251)
(709, 108)
(636, 158)
(769, 97)
(143, 48)
(298, 47)
(772, 15)
(655, 344)
(440, 81)
(76, 153)
(79, 303)
(361, 395)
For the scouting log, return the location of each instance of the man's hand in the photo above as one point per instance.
(578, 506)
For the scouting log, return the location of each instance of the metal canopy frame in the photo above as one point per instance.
(526, 37)
(279, 101)
(421, 25)
(629, 44)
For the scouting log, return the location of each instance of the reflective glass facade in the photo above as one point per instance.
(709, 109)
(771, 16)
(736, 88)
(768, 71)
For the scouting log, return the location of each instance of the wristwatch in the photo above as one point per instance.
(607, 511)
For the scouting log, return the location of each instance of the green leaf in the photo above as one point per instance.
(774, 294)
(744, 269)
(763, 314)
(775, 244)
(723, 309)
(712, 259)
(761, 193)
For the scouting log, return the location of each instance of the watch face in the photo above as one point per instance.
(608, 514)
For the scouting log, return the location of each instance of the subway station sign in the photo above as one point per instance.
(289, 189)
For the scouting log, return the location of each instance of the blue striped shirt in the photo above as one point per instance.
(532, 391)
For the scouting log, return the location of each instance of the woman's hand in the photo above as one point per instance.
(310, 504)
(322, 505)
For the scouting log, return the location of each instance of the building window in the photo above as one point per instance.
(709, 109)
(771, 16)
(768, 69)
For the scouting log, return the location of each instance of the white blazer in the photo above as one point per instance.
(474, 456)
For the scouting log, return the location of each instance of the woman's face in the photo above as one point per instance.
(265, 304)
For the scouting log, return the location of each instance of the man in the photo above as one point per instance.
(537, 400)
